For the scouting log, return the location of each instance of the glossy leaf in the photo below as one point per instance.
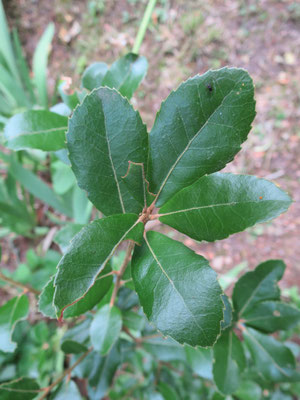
(198, 131)
(274, 361)
(229, 362)
(105, 133)
(19, 389)
(75, 340)
(88, 254)
(258, 285)
(219, 205)
(135, 183)
(105, 328)
(93, 75)
(36, 129)
(272, 316)
(16, 309)
(178, 290)
(133, 320)
(126, 74)
(167, 391)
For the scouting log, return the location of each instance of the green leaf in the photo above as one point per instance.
(258, 285)
(126, 74)
(71, 100)
(198, 131)
(103, 373)
(165, 349)
(37, 187)
(64, 236)
(105, 328)
(105, 133)
(75, 339)
(200, 361)
(135, 182)
(93, 75)
(167, 391)
(11, 312)
(89, 252)
(229, 362)
(178, 290)
(219, 205)
(227, 313)
(274, 361)
(249, 390)
(36, 129)
(39, 64)
(67, 391)
(92, 297)
(19, 389)
(133, 320)
(62, 177)
(272, 316)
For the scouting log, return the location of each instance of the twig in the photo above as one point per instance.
(143, 27)
(48, 389)
(121, 272)
(19, 284)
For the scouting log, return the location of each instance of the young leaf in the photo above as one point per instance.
(105, 328)
(274, 361)
(272, 316)
(75, 340)
(126, 74)
(218, 205)
(11, 312)
(19, 389)
(198, 131)
(105, 133)
(178, 290)
(36, 129)
(229, 362)
(258, 285)
(93, 75)
(88, 254)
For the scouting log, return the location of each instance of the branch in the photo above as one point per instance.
(48, 389)
(121, 272)
(19, 284)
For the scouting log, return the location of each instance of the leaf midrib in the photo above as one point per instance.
(36, 132)
(193, 138)
(173, 285)
(219, 205)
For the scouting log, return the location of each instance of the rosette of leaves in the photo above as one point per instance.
(170, 174)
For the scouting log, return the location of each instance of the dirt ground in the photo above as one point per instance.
(187, 37)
